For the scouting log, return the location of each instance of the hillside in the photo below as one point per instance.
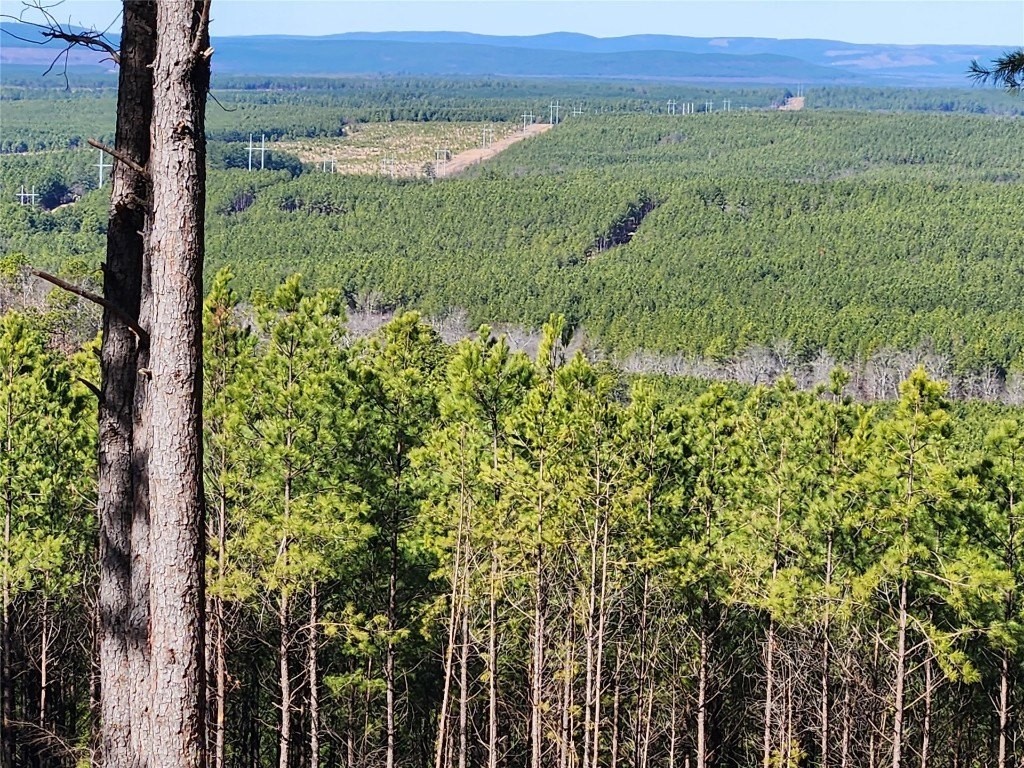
(654, 57)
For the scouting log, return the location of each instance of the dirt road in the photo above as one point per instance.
(464, 160)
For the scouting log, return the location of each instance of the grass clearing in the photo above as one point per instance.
(399, 148)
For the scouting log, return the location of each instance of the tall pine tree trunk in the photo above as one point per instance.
(702, 693)
(901, 667)
(602, 616)
(769, 696)
(220, 641)
(313, 673)
(926, 725)
(1004, 707)
(122, 610)
(181, 76)
(6, 673)
(464, 679)
(284, 682)
(537, 639)
(492, 660)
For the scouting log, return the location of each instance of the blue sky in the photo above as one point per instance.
(989, 22)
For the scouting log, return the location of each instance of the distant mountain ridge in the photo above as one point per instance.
(565, 54)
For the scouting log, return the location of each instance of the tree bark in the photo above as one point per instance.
(220, 642)
(312, 672)
(1004, 707)
(769, 696)
(492, 660)
(901, 665)
(826, 648)
(123, 609)
(6, 676)
(537, 639)
(926, 725)
(181, 76)
(285, 683)
(702, 693)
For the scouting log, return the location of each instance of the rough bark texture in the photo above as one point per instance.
(123, 630)
(175, 239)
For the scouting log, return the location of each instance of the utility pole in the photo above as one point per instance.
(27, 198)
(709, 106)
(325, 166)
(487, 138)
(263, 149)
(441, 161)
(553, 119)
(101, 165)
(671, 106)
(727, 105)
(250, 151)
(527, 116)
(577, 111)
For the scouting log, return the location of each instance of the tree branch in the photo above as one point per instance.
(95, 298)
(119, 156)
(1007, 70)
(51, 29)
(204, 24)
(91, 387)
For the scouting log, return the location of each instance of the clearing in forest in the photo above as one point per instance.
(406, 148)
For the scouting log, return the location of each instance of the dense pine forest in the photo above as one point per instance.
(700, 239)
(429, 548)
(422, 554)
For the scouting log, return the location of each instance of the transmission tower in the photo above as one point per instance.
(101, 165)
(27, 198)
(441, 157)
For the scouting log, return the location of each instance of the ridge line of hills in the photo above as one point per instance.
(563, 54)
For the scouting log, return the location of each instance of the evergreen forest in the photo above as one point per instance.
(484, 528)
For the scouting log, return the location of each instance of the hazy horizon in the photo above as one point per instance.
(900, 22)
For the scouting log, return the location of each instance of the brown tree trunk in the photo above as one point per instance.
(537, 639)
(6, 676)
(285, 683)
(901, 665)
(220, 641)
(826, 659)
(312, 672)
(492, 661)
(564, 736)
(44, 662)
(769, 696)
(464, 677)
(1004, 707)
(926, 725)
(122, 609)
(702, 693)
(181, 77)
(602, 615)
